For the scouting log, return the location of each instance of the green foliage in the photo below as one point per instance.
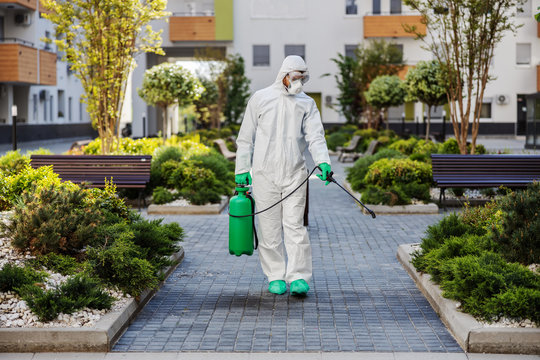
(357, 173)
(13, 277)
(77, 293)
(162, 155)
(207, 109)
(517, 303)
(125, 146)
(55, 220)
(101, 52)
(162, 196)
(425, 147)
(392, 195)
(475, 280)
(404, 146)
(386, 172)
(385, 91)
(106, 200)
(519, 236)
(156, 241)
(237, 88)
(63, 264)
(220, 166)
(355, 74)
(337, 139)
(12, 163)
(427, 83)
(120, 264)
(450, 146)
(168, 83)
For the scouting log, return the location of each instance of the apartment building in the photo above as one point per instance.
(34, 79)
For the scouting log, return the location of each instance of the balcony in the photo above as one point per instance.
(392, 25)
(19, 64)
(210, 25)
(19, 4)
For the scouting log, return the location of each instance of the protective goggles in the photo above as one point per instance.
(303, 76)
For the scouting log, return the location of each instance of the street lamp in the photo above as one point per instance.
(144, 124)
(14, 126)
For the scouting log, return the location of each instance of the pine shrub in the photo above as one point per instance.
(162, 196)
(76, 293)
(63, 264)
(390, 196)
(120, 264)
(56, 220)
(12, 277)
(519, 237)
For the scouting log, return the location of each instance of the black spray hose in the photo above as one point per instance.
(329, 178)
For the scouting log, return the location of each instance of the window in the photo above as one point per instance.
(61, 104)
(350, 51)
(51, 99)
(1, 27)
(80, 111)
(47, 44)
(34, 107)
(395, 6)
(399, 48)
(299, 50)
(523, 54)
(485, 111)
(350, 7)
(261, 55)
(376, 7)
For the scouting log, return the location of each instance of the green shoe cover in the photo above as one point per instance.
(277, 287)
(299, 287)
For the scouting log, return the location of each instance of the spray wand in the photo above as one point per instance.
(331, 179)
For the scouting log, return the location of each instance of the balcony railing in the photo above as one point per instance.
(14, 40)
(392, 25)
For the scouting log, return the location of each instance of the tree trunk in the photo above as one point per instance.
(164, 124)
(428, 122)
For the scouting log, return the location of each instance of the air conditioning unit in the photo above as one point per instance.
(502, 99)
(328, 100)
(23, 19)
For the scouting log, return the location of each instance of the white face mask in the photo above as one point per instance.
(295, 87)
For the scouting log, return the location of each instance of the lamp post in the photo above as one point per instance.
(444, 125)
(402, 124)
(14, 126)
(144, 124)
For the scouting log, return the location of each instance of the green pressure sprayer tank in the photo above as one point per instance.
(241, 228)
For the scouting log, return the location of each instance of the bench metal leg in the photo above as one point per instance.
(442, 197)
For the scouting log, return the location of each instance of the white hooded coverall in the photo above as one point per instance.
(275, 131)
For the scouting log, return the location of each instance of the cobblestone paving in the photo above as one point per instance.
(361, 299)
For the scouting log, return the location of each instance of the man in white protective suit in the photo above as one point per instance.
(280, 121)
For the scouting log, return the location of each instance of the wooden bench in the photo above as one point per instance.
(481, 171)
(351, 148)
(372, 147)
(229, 155)
(125, 171)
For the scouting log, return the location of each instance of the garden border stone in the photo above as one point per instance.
(99, 338)
(396, 209)
(211, 209)
(470, 334)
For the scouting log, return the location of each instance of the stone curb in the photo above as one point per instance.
(99, 338)
(397, 209)
(470, 334)
(211, 209)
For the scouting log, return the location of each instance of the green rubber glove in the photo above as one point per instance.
(325, 172)
(243, 179)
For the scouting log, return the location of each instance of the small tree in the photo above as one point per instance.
(427, 83)
(167, 84)
(378, 58)
(385, 91)
(99, 40)
(463, 35)
(237, 88)
(207, 106)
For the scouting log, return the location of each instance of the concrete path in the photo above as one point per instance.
(361, 298)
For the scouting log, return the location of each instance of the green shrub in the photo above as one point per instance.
(386, 172)
(404, 146)
(162, 196)
(220, 166)
(56, 220)
(518, 303)
(128, 146)
(162, 155)
(196, 184)
(12, 277)
(120, 264)
(457, 191)
(367, 133)
(450, 146)
(156, 241)
(12, 163)
(425, 148)
(63, 264)
(474, 280)
(388, 196)
(483, 219)
(356, 173)
(519, 235)
(106, 200)
(337, 139)
(76, 293)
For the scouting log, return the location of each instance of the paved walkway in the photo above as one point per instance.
(361, 298)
